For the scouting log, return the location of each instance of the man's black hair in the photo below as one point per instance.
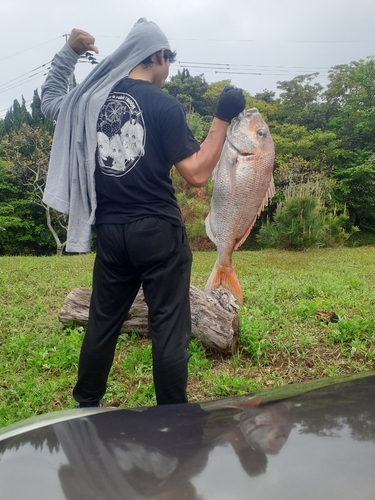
(168, 56)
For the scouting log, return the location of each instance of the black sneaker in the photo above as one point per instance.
(99, 405)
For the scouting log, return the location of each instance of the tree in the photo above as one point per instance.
(351, 97)
(38, 118)
(356, 188)
(211, 95)
(19, 115)
(16, 116)
(26, 151)
(319, 148)
(22, 224)
(198, 125)
(267, 96)
(301, 102)
(189, 90)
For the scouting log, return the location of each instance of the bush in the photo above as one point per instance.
(302, 221)
(199, 125)
(195, 205)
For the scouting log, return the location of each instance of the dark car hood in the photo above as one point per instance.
(301, 442)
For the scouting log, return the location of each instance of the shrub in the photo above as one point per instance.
(302, 221)
(195, 205)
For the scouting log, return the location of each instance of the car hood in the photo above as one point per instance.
(305, 441)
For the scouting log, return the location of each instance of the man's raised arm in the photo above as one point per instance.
(55, 87)
(197, 168)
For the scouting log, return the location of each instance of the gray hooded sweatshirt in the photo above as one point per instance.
(70, 186)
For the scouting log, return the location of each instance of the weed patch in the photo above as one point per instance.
(356, 329)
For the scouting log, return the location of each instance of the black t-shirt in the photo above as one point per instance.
(141, 132)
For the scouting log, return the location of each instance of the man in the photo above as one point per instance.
(117, 137)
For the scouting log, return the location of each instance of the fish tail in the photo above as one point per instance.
(225, 276)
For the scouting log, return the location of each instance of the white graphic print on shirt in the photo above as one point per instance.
(121, 134)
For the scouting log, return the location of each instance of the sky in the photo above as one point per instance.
(255, 44)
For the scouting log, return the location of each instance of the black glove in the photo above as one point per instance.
(230, 104)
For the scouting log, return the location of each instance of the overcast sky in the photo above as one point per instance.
(224, 39)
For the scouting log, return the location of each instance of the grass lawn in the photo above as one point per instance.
(281, 340)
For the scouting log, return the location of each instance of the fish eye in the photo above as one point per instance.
(262, 133)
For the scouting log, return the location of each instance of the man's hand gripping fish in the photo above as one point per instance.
(243, 186)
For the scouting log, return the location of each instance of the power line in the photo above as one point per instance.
(208, 67)
(245, 69)
(21, 82)
(193, 66)
(248, 40)
(26, 76)
(30, 48)
(248, 65)
(233, 40)
(214, 40)
(34, 74)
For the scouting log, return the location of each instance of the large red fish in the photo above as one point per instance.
(243, 186)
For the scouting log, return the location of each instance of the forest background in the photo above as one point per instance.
(324, 168)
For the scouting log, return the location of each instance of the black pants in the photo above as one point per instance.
(156, 254)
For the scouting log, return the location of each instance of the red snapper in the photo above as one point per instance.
(243, 186)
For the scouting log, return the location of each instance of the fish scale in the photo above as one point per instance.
(243, 185)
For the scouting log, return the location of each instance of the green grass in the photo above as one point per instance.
(281, 339)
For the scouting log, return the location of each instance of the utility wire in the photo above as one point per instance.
(19, 82)
(207, 67)
(39, 72)
(244, 69)
(30, 48)
(36, 77)
(215, 40)
(248, 40)
(248, 65)
(26, 76)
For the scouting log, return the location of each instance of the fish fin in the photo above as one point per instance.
(209, 231)
(242, 240)
(269, 195)
(225, 276)
(214, 173)
(271, 191)
(231, 172)
(253, 402)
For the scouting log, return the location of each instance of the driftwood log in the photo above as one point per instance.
(215, 319)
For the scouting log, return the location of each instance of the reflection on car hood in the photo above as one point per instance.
(299, 442)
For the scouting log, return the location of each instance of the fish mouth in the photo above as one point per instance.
(250, 155)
